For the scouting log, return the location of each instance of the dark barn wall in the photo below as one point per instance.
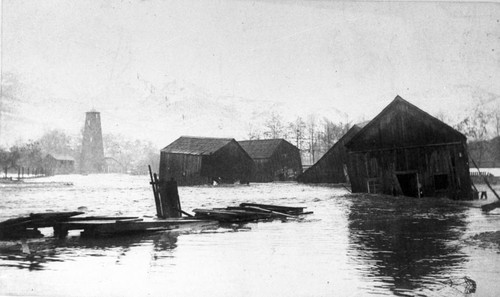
(330, 168)
(284, 164)
(263, 171)
(442, 171)
(184, 168)
(404, 144)
(229, 164)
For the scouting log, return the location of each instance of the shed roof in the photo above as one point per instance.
(196, 145)
(261, 148)
(431, 129)
(61, 157)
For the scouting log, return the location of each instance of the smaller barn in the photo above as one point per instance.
(332, 167)
(55, 164)
(406, 151)
(274, 159)
(203, 160)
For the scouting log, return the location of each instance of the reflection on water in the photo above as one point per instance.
(353, 245)
(406, 243)
(37, 254)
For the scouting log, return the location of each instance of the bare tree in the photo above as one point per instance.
(130, 155)
(332, 132)
(312, 136)
(6, 160)
(57, 142)
(475, 128)
(440, 115)
(496, 118)
(254, 132)
(296, 132)
(27, 155)
(274, 126)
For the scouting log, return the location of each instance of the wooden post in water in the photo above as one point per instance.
(154, 184)
(169, 196)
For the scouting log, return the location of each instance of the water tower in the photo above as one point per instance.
(92, 158)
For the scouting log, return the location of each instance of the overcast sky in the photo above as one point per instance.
(70, 56)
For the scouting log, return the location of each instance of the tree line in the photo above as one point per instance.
(312, 135)
(482, 129)
(124, 155)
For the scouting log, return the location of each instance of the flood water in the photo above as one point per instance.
(353, 245)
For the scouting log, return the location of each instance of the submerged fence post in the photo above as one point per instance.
(169, 196)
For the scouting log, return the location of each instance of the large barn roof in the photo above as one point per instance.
(261, 148)
(402, 115)
(196, 145)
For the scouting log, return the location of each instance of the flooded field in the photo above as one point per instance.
(353, 245)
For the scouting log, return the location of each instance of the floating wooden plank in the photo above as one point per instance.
(51, 215)
(229, 216)
(117, 227)
(278, 208)
(40, 220)
(250, 212)
(281, 214)
(91, 218)
(19, 227)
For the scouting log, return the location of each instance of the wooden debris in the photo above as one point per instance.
(28, 226)
(169, 196)
(101, 228)
(154, 185)
(278, 208)
(63, 222)
(247, 212)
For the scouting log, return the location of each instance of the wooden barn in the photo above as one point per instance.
(274, 159)
(58, 164)
(406, 151)
(332, 167)
(199, 160)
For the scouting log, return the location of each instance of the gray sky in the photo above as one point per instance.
(121, 57)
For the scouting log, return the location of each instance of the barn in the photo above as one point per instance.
(332, 167)
(406, 151)
(202, 160)
(58, 164)
(274, 159)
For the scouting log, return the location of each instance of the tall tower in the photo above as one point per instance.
(92, 158)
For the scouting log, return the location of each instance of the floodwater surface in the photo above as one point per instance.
(353, 245)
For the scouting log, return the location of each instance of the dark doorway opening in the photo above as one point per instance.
(408, 183)
(441, 182)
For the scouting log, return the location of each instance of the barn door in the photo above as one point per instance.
(408, 183)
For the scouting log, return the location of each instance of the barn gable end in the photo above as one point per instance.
(406, 151)
(402, 124)
(274, 159)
